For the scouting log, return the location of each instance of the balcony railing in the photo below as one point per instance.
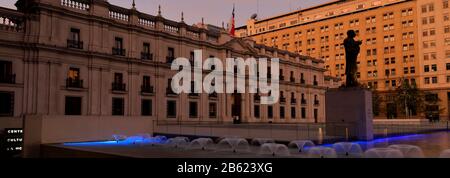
(193, 94)
(316, 102)
(281, 78)
(171, 29)
(169, 91)
(193, 34)
(213, 95)
(303, 101)
(146, 22)
(118, 86)
(302, 81)
(293, 101)
(119, 16)
(146, 56)
(9, 78)
(11, 20)
(282, 100)
(257, 97)
(75, 44)
(76, 4)
(74, 83)
(147, 89)
(118, 51)
(169, 59)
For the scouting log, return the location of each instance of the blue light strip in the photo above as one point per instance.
(100, 143)
(136, 140)
(387, 139)
(129, 141)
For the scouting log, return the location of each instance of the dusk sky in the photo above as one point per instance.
(214, 11)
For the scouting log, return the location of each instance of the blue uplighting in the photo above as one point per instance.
(368, 144)
(400, 138)
(126, 142)
(99, 143)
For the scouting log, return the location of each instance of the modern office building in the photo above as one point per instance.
(403, 41)
(75, 59)
(434, 51)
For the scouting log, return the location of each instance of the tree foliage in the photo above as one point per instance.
(409, 97)
(376, 103)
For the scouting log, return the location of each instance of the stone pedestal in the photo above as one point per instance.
(349, 113)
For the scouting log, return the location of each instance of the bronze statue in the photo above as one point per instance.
(352, 49)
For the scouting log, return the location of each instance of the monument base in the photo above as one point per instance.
(349, 113)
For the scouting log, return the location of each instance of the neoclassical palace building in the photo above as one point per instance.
(89, 58)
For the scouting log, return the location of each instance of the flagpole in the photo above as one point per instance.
(232, 23)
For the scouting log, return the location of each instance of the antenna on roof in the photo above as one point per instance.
(182, 16)
(159, 10)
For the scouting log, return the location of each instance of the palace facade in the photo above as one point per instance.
(74, 58)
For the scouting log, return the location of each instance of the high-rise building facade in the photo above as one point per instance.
(72, 59)
(434, 51)
(403, 41)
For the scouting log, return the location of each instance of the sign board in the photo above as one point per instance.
(12, 142)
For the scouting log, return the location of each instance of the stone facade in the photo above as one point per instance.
(91, 58)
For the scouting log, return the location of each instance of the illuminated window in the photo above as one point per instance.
(74, 73)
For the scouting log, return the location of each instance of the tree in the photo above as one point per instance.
(432, 109)
(409, 99)
(376, 102)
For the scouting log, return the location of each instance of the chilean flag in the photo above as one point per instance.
(232, 24)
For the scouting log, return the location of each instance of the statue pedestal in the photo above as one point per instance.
(349, 113)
